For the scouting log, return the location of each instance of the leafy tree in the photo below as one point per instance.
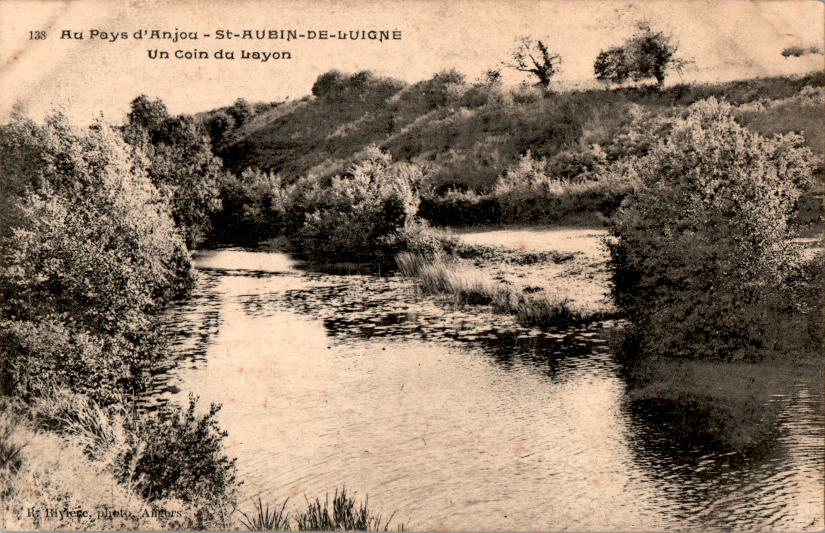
(646, 54)
(534, 57)
(703, 244)
(181, 165)
(241, 111)
(147, 114)
(218, 125)
(92, 251)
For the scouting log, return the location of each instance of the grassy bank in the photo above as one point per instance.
(60, 469)
(468, 285)
(52, 481)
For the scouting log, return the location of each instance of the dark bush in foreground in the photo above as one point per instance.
(178, 453)
(702, 247)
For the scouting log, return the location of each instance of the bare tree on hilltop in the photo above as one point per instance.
(534, 57)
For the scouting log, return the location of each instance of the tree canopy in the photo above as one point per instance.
(647, 54)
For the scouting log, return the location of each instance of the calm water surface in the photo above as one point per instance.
(460, 420)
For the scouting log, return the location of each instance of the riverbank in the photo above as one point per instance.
(51, 482)
(546, 276)
(728, 403)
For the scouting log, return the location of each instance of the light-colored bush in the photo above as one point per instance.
(702, 244)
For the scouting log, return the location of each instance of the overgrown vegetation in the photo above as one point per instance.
(702, 248)
(703, 185)
(90, 254)
(468, 285)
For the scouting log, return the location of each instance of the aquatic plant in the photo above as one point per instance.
(471, 286)
(345, 514)
(264, 519)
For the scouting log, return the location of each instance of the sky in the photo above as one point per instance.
(726, 39)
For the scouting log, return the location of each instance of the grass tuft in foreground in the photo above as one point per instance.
(344, 513)
(264, 519)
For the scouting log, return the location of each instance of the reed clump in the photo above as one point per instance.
(345, 512)
(471, 286)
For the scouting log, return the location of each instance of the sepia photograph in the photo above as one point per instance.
(424, 265)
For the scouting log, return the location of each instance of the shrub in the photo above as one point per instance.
(529, 193)
(793, 51)
(702, 244)
(252, 209)
(337, 87)
(178, 453)
(91, 254)
(459, 208)
(38, 355)
(93, 235)
(360, 214)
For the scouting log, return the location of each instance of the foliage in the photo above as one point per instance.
(240, 111)
(55, 350)
(799, 51)
(180, 163)
(702, 243)
(91, 254)
(534, 57)
(646, 54)
(336, 87)
(529, 191)
(360, 213)
(252, 209)
(219, 124)
(178, 453)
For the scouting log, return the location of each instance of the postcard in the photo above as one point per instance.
(373, 265)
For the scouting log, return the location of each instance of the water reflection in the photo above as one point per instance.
(457, 419)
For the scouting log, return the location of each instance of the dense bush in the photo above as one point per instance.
(360, 214)
(336, 87)
(91, 253)
(56, 351)
(528, 192)
(178, 453)
(252, 209)
(180, 162)
(457, 208)
(702, 245)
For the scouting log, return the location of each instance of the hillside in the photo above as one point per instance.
(468, 134)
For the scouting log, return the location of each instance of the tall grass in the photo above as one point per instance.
(344, 513)
(99, 431)
(471, 286)
(262, 519)
(11, 444)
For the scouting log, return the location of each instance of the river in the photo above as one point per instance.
(459, 419)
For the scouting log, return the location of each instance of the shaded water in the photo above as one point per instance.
(460, 420)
